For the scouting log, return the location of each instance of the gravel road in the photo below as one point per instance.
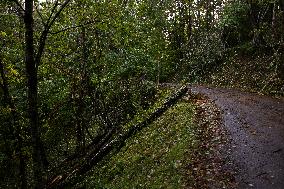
(256, 127)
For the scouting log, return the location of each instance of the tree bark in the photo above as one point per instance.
(208, 15)
(189, 23)
(32, 82)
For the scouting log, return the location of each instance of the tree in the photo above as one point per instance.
(90, 70)
(32, 61)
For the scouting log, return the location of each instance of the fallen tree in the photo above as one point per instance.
(106, 145)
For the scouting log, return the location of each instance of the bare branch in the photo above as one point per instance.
(73, 27)
(19, 5)
(52, 11)
(21, 9)
(41, 17)
(50, 23)
(45, 32)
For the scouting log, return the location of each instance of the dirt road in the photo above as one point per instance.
(256, 127)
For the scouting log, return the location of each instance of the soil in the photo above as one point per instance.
(255, 125)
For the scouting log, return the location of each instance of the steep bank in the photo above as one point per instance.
(262, 74)
(179, 150)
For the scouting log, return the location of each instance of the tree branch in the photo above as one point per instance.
(52, 11)
(73, 27)
(18, 4)
(108, 144)
(47, 27)
(22, 10)
(41, 17)
(50, 23)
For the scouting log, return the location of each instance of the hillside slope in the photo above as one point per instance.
(261, 74)
(179, 150)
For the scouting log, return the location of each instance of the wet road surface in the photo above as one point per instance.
(256, 127)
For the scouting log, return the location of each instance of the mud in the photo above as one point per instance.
(256, 128)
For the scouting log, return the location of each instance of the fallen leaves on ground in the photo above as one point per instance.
(209, 168)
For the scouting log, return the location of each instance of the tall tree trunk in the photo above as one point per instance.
(84, 82)
(281, 4)
(189, 23)
(208, 15)
(81, 88)
(32, 94)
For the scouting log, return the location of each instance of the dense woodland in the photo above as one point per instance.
(75, 73)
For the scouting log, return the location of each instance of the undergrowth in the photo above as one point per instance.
(155, 158)
(261, 74)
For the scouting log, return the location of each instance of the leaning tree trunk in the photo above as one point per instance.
(31, 71)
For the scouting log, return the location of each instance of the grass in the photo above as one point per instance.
(157, 157)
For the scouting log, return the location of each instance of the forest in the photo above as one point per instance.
(80, 78)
